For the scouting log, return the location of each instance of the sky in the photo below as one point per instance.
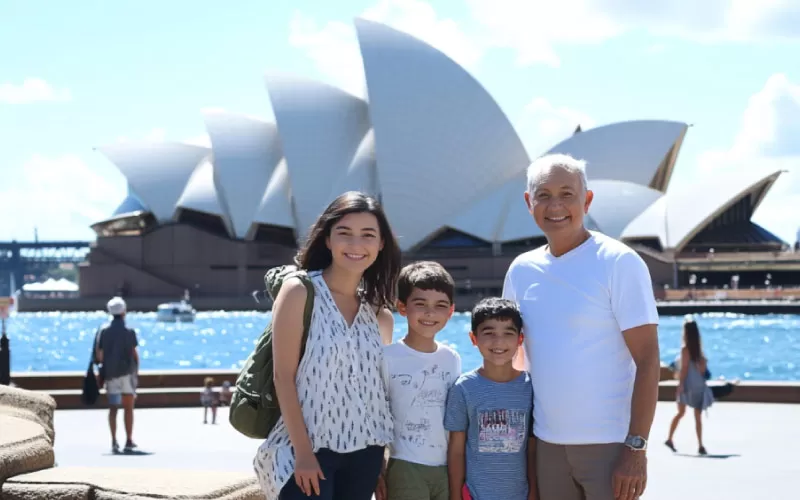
(78, 74)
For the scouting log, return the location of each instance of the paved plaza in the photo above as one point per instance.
(752, 447)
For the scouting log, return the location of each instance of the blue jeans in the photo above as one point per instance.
(348, 476)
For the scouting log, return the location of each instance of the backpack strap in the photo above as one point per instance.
(307, 311)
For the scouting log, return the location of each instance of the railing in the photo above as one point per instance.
(729, 294)
(660, 256)
(737, 256)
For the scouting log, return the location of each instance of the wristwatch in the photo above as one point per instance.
(636, 443)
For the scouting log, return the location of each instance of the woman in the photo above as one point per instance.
(692, 389)
(336, 419)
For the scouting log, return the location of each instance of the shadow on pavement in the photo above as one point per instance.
(128, 453)
(710, 455)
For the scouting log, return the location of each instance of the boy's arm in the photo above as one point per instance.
(456, 420)
(532, 483)
(456, 463)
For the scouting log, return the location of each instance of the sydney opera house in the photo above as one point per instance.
(444, 160)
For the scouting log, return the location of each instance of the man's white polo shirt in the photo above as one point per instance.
(575, 308)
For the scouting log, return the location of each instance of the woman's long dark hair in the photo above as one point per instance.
(380, 279)
(691, 339)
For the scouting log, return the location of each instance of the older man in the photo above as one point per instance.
(115, 348)
(591, 343)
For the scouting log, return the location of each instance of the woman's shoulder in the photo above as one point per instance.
(382, 312)
(385, 320)
(293, 291)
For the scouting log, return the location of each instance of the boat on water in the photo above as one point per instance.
(176, 312)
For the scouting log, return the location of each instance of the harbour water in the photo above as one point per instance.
(738, 346)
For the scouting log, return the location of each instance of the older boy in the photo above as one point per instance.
(420, 371)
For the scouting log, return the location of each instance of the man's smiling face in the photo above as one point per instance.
(559, 202)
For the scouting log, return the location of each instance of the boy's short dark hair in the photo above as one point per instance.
(425, 275)
(495, 308)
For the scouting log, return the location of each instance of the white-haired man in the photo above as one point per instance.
(115, 349)
(591, 343)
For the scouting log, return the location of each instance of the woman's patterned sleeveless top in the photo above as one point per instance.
(341, 390)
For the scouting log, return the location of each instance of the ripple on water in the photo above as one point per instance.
(738, 346)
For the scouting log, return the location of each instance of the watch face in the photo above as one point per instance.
(636, 442)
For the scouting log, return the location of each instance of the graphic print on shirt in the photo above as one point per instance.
(430, 393)
(501, 430)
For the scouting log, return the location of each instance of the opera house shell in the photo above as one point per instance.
(431, 143)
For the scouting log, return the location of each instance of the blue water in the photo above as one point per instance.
(738, 346)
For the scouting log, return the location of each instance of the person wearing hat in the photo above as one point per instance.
(116, 351)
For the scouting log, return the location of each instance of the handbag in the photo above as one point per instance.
(91, 390)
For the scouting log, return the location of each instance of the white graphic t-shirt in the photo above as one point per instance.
(418, 383)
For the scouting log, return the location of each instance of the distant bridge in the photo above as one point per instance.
(19, 258)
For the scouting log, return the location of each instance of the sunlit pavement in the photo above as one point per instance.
(753, 448)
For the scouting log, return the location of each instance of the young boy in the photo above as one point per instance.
(420, 371)
(489, 413)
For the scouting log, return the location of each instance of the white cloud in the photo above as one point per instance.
(160, 135)
(533, 29)
(31, 90)
(767, 140)
(154, 135)
(420, 20)
(199, 140)
(543, 125)
(60, 196)
(333, 46)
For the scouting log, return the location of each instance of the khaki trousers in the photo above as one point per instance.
(576, 472)
(410, 481)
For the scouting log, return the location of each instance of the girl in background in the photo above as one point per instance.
(692, 388)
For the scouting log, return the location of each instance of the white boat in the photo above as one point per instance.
(175, 312)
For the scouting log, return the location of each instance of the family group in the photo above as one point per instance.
(559, 409)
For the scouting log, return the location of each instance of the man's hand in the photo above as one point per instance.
(630, 475)
(380, 489)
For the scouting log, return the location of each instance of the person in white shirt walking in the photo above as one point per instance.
(591, 343)
(420, 372)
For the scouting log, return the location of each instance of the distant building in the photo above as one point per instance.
(444, 160)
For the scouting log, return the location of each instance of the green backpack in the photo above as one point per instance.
(254, 404)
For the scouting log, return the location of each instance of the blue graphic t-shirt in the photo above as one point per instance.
(497, 419)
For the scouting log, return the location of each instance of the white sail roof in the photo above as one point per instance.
(320, 128)
(157, 172)
(441, 141)
(246, 152)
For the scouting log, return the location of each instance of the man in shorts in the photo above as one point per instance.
(116, 351)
